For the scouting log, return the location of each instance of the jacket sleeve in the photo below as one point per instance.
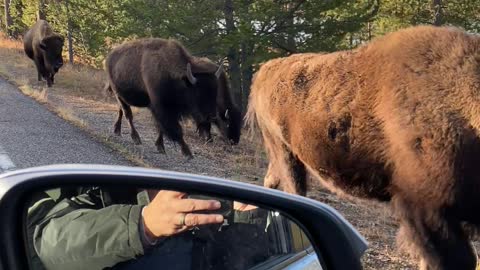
(89, 238)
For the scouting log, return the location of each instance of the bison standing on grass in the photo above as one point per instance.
(44, 47)
(161, 75)
(397, 120)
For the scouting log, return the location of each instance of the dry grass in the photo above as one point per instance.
(69, 115)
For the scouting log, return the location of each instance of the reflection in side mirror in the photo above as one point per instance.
(125, 228)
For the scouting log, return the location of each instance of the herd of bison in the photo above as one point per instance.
(396, 120)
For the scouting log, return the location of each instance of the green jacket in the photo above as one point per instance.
(64, 234)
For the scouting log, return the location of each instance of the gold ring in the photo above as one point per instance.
(182, 219)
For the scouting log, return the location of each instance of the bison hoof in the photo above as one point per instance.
(161, 150)
(136, 139)
(117, 131)
(187, 154)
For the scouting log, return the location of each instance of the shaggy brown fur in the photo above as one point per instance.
(44, 47)
(396, 120)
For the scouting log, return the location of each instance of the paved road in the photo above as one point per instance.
(30, 135)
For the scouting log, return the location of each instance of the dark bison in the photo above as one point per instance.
(161, 75)
(229, 120)
(397, 120)
(44, 47)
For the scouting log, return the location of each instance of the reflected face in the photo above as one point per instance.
(108, 222)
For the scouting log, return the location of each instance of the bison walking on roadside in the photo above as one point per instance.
(396, 120)
(44, 47)
(162, 75)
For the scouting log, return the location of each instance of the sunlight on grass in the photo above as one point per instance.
(69, 115)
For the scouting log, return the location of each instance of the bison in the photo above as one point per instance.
(396, 120)
(229, 120)
(161, 75)
(44, 47)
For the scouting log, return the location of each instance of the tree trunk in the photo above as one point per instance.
(233, 54)
(369, 33)
(438, 12)
(291, 44)
(41, 10)
(8, 18)
(247, 76)
(69, 33)
(16, 7)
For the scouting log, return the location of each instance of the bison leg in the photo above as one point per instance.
(40, 70)
(117, 127)
(285, 170)
(204, 131)
(185, 149)
(49, 80)
(159, 142)
(129, 115)
(171, 127)
(440, 241)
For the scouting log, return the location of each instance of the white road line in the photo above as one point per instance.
(6, 164)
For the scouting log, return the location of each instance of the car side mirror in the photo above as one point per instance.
(271, 223)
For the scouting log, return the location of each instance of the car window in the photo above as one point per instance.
(249, 237)
(291, 246)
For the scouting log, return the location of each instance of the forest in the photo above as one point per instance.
(241, 34)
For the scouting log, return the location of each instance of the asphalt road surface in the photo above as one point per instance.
(30, 135)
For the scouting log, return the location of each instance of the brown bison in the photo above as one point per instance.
(162, 75)
(229, 120)
(397, 120)
(44, 47)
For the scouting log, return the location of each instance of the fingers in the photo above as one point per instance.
(165, 194)
(202, 219)
(238, 206)
(191, 205)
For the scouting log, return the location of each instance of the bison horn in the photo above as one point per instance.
(190, 76)
(226, 114)
(219, 71)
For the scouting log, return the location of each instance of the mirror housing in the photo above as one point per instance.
(337, 244)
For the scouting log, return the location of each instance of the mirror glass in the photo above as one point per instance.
(133, 228)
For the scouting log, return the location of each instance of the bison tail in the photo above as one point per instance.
(251, 121)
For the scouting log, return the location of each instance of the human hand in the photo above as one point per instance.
(238, 206)
(170, 213)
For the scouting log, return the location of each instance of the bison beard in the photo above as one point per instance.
(44, 47)
(395, 120)
(162, 76)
